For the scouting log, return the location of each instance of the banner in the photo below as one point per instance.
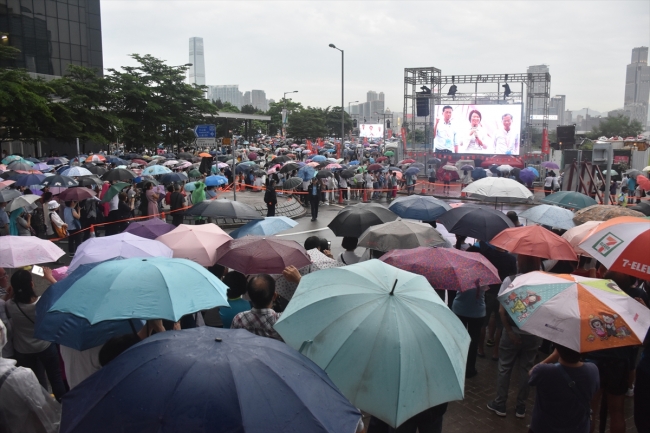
(545, 147)
(389, 133)
(404, 138)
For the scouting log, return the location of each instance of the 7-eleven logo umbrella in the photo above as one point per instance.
(622, 245)
(583, 314)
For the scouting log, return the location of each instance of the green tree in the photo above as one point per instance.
(309, 123)
(333, 121)
(275, 111)
(6, 50)
(617, 126)
(249, 109)
(416, 137)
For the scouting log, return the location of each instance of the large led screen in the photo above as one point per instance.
(371, 130)
(478, 129)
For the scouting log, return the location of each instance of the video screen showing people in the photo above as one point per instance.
(478, 129)
(371, 130)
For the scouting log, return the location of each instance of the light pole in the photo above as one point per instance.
(342, 92)
(350, 114)
(284, 111)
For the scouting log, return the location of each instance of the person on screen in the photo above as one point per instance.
(444, 135)
(477, 138)
(507, 139)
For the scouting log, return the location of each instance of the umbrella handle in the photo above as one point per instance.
(305, 344)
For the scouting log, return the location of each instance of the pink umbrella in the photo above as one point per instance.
(313, 164)
(18, 251)
(5, 183)
(252, 156)
(184, 164)
(222, 165)
(333, 166)
(257, 254)
(197, 243)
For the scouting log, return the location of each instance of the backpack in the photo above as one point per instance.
(62, 231)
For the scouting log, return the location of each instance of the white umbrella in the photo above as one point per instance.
(647, 169)
(18, 251)
(77, 171)
(499, 189)
(22, 201)
(504, 168)
(450, 168)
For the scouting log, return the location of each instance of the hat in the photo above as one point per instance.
(52, 205)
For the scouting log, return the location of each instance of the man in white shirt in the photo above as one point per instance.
(507, 139)
(444, 134)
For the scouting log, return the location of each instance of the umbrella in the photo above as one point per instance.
(355, 162)
(611, 172)
(22, 201)
(450, 168)
(198, 243)
(381, 159)
(42, 167)
(366, 325)
(353, 220)
(96, 158)
(149, 229)
(569, 199)
(170, 163)
(322, 174)
(347, 174)
(19, 251)
(9, 194)
(256, 254)
(527, 176)
(504, 168)
(406, 161)
(216, 380)
(551, 216)
(20, 165)
(113, 191)
(266, 227)
(375, 167)
(583, 314)
(223, 208)
(389, 153)
(445, 268)
(173, 178)
(475, 222)
(621, 245)
(216, 180)
(603, 213)
(643, 207)
(205, 155)
(77, 194)
(401, 234)
(56, 161)
(291, 166)
(478, 173)
(644, 182)
(58, 180)
(550, 165)
(123, 245)
(194, 173)
(467, 167)
(121, 174)
(30, 179)
(433, 161)
(534, 241)
(292, 183)
(6, 183)
(633, 173)
(89, 181)
(12, 158)
(419, 207)
(76, 171)
(142, 288)
(73, 331)
(498, 188)
(306, 173)
(95, 169)
(155, 170)
(411, 171)
(577, 234)
(319, 158)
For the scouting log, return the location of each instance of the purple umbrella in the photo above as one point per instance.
(527, 176)
(257, 254)
(550, 164)
(149, 229)
(252, 156)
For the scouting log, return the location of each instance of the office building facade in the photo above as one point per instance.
(52, 34)
(538, 87)
(226, 93)
(197, 70)
(246, 98)
(637, 86)
(258, 99)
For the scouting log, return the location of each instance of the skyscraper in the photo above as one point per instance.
(371, 96)
(557, 108)
(381, 96)
(537, 87)
(197, 70)
(246, 99)
(258, 99)
(637, 86)
(226, 93)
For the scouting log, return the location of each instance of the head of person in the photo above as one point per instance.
(507, 121)
(272, 184)
(568, 355)
(475, 117)
(177, 187)
(217, 270)
(148, 186)
(261, 291)
(70, 203)
(52, 205)
(526, 264)
(312, 242)
(324, 244)
(512, 215)
(23, 286)
(349, 243)
(122, 196)
(236, 282)
(170, 188)
(446, 112)
(46, 197)
(314, 180)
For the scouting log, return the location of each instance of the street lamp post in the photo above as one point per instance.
(342, 91)
(350, 114)
(284, 111)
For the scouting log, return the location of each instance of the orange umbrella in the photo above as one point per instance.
(205, 155)
(534, 241)
(643, 181)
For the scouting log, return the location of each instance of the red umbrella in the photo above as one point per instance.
(375, 167)
(77, 194)
(252, 156)
(406, 161)
(382, 158)
(534, 241)
(643, 182)
(445, 268)
(139, 161)
(261, 255)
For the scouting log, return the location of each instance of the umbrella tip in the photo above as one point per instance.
(393, 290)
(218, 340)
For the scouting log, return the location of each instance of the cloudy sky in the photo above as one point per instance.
(282, 46)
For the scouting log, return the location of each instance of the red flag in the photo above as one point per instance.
(545, 147)
(404, 138)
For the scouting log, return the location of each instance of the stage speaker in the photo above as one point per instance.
(422, 107)
(566, 135)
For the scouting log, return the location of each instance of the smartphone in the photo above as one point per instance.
(38, 271)
(329, 245)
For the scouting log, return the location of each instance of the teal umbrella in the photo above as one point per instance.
(383, 336)
(137, 288)
(569, 199)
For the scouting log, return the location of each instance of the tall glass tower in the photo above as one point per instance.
(197, 70)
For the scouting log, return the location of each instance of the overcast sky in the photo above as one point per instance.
(282, 46)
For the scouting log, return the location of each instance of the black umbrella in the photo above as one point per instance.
(223, 208)
(347, 174)
(476, 222)
(433, 161)
(354, 220)
(280, 159)
(322, 174)
(185, 155)
(224, 158)
(89, 180)
(96, 169)
(58, 180)
(168, 178)
(122, 174)
(289, 167)
(259, 173)
(292, 183)
(642, 207)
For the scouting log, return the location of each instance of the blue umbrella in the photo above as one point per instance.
(319, 158)
(62, 169)
(208, 380)
(155, 170)
(117, 161)
(266, 227)
(419, 207)
(355, 162)
(306, 173)
(527, 176)
(216, 180)
(70, 330)
(411, 171)
(29, 179)
(478, 173)
(382, 335)
(533, 169)
(136, 288)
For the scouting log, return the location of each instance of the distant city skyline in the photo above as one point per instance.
(197, 69)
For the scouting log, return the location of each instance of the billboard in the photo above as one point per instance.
(477, 129)
(371, 130)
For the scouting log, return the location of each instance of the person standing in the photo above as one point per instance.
(549, 183)
(469, 306)
(444, 134)
(71, 217)
(176, 203)
(271, 199)
(313, 194)
(152, 200)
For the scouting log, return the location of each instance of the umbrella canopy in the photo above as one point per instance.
(450, 168)
(216, 380)
(8, 195)
(155, 170)
(342, 318)
(73, 331)
(121, 174)
(534, 241)
(621, 244)
(445, 268)
(289, 167)
(19, 251)
(498, 188)
(123, 245)
(113, 191)
(319, 158)
(401, 234)
(644, 182)
(633, 173)
(96, 158)
(56, 161)
(353, 220)
(59, 180)
(216, 180)
(411, 171)
(347, 174)
(551, 216)
(527, 176)
(76, 171)
(578, 233)
(258, 255)
(95, 169)
(643, 207)
(137, 288)
(173, 178)
(550, 165)
(12, 158)
(29, 179)
(20, 165)
(266, 227)
(322, 174)
(149, 229)
(77, 194)
(223, 208)
(603, 213)
(198, 243)
(375, 167)
(475, 222)
(583, 314)
(22, 201)
(419, 207)
(89, 181)
(569, 199)
(194, 173)
(292, 183)
(504, 168)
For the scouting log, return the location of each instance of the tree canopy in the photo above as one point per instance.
(617, 126)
